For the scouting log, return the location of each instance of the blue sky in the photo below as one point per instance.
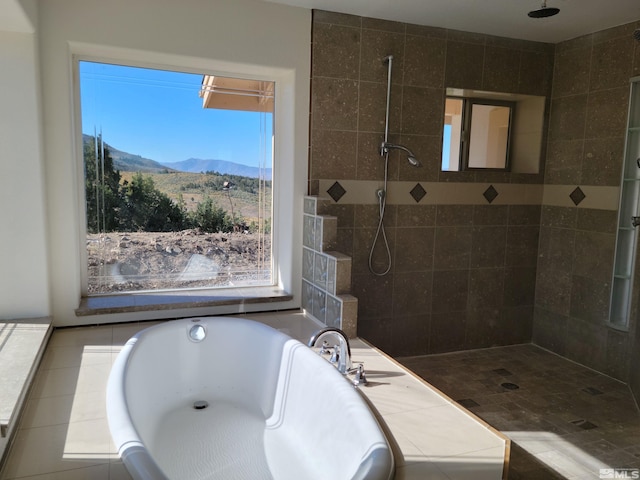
(158, 114)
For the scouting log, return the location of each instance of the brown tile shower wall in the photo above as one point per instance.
(463, 276)
(586, 148)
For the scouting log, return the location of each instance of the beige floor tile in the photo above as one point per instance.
(122, 333)
(71, 380)
(420, 471)
(478, 465)
(56, 410)
(117, 471)
(75, 356)
(58, 448)
(444, 432)
(97, 472)
(82, 336)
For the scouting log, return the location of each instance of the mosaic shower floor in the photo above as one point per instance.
(565, 421)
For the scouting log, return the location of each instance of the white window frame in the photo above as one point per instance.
(286, 200)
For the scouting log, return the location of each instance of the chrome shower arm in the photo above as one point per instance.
(411, 158)
(386, 146)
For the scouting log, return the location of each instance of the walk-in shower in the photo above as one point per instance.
(381, 193)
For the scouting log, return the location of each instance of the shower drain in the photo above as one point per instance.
(200, 404)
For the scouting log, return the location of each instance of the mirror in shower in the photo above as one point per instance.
(492, 131)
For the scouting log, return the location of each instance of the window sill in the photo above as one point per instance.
(172, 300)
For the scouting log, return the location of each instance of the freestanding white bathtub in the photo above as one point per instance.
(229, 398)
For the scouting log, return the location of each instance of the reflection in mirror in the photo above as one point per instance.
(489, 136)
(452, 136)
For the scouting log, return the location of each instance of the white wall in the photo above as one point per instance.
(222, 34)
(24, 287)
(18, 16)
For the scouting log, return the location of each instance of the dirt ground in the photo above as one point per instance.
(190, 258)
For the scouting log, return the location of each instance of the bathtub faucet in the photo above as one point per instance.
(344, 350)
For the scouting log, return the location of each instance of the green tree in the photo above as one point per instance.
(209, 217)
(145, 208)
(102, 187)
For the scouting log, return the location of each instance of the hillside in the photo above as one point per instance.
(196, 165)
(193, 188)
(128, 162)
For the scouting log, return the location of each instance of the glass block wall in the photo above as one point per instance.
(326, 274)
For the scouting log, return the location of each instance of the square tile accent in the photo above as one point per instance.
(468, 403)
(577, 196)
(336, 191)
(510, 386)
(584, 424)
(418, 192)
(592, 391)
(490, 194)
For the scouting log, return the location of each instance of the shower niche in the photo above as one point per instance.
(628, 218)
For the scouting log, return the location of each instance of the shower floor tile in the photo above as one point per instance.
(565, 421)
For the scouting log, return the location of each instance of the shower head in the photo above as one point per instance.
(413, 161)
(544, 11)
(411, 158)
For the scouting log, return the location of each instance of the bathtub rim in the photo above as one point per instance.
(138, 460)
(131, 450)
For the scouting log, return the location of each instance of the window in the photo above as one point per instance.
(476, 134)
(178, 179)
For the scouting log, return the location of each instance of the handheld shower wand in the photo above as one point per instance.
(381, 193)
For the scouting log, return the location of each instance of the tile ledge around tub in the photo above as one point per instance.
(424, 461)
(22, 345)
(178, 299)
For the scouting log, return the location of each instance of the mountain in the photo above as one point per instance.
(128, 162)
(196, 165)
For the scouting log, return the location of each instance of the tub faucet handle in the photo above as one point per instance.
(324, 348)
(360, 378)
(335, 356)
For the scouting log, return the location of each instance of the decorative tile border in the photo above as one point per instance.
(582, 196)
(363, 192)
